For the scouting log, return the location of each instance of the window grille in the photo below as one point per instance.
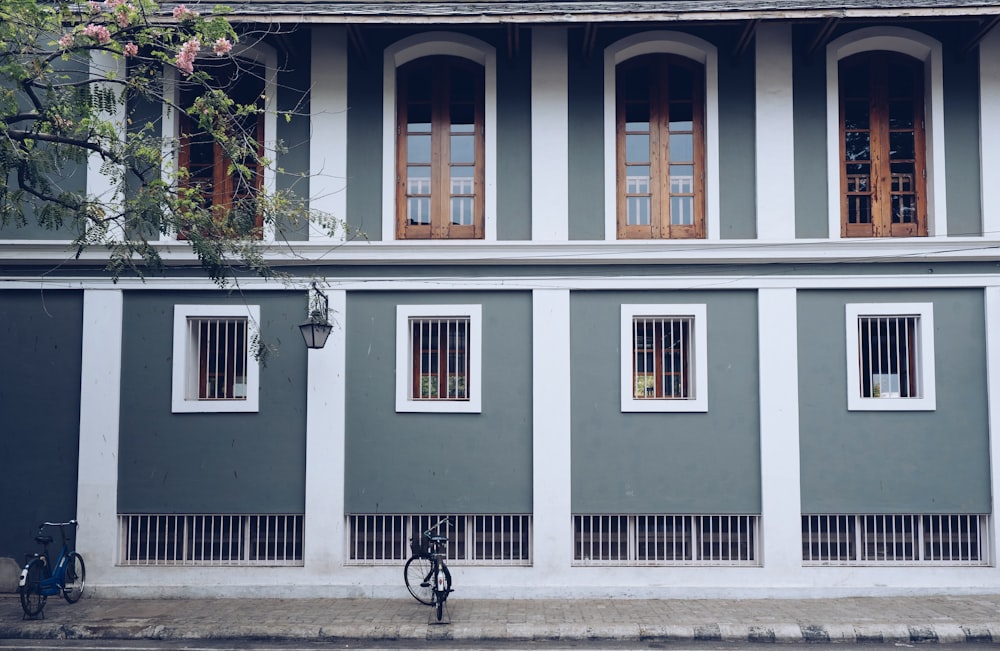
(895, 539)
(267, 540)
(666, 540)
(661, 357)
(440, 358)
(482, 539)
(889, 356)
(221, 346)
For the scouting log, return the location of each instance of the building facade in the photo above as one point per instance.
(688, 299)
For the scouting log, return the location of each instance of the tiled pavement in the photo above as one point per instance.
(877, 619)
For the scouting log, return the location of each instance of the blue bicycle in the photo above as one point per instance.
(40, 579)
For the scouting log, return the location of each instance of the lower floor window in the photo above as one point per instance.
(875, 539)
(220, 539)
(480, 539)
(665, 539)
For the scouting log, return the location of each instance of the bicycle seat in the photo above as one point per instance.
(43, 540)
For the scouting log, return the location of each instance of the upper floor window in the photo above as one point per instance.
(660, 132)
(882, 150)
(440, 149)
(227, 172)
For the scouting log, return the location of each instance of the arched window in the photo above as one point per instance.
(660, 133)
(883, 166)
(440, 149)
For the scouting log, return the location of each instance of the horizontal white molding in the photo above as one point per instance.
(766, 280)
(588, 252)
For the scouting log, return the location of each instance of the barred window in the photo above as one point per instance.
(438, 357)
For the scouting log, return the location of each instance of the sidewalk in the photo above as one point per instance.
(968, 618)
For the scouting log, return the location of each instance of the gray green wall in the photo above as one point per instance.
(674, 463)
(40, 344)
(438, 463)
(293, 131)
(211, 463)
(894, 462)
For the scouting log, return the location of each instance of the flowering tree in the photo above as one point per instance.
(71, 79)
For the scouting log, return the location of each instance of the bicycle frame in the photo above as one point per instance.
(56, 581)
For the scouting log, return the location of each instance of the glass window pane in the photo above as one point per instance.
(856, 115)
(858, 145)
(681, 83)
(901, 115)
(463, 118)
(681, 147)
(904, 209)
(854, 81)
(682, 211)
(462, 211)
(636, 81)
(637, 179)
(638, 211)
(418, 210)
(418, 180)
(463, 149)
(682, 179)
(418, 149)
(462, 180)
(681, 116)
(637, 148)
(901, 145)
(637, 116)
(900, 80)
(418, 117)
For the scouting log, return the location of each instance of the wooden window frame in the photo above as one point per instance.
(879, 129)
(659, 162)
(225, 186)
(440, 226)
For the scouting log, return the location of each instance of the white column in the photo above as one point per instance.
(993, 408)
(549, 134)
(328, 145)
(100, 396)
(775, 144)
(553, 543)
(779, 432)
(324, 545)
(101, 187)
(989, 100)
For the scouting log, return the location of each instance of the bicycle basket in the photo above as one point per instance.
(418, 547)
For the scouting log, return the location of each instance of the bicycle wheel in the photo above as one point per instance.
(76, 574)
(442, 596)
(417, 574)
(32, 599)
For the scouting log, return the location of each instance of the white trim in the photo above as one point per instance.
(774, 134)
(919, 46)
(699, 379)
(989, 129)
(262, 54)
(100, 409)
(404, 403)
(925, 357)
(549, 134)
(550, 421)
(185, 361)
(781, 525)
(665, 42)
(323, 535)
(430, 44)
(328, 138)
(992, 309)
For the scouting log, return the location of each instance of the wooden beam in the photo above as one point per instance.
(979, 36)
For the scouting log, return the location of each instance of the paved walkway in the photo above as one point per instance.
(971, 618)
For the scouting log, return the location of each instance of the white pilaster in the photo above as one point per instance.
(775, 143)
(779, 432)
(989, 150)
(101, 187)
(549, 135)
(324, 545)
(100, 397)
(992, 299)
(553, 543)
(328, 148)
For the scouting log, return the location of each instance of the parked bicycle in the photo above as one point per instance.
(426, 573)
(40, 579)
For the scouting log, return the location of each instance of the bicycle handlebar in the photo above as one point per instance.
(427, 532)
(59, 524)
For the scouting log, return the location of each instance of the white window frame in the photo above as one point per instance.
(432, 44)
(919, 46)
(662, 42)
(185, 361)
(924, 312)
(699, 374)
(404, 359)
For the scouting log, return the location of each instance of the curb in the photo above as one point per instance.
(945, 633)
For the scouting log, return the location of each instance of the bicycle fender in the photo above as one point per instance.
(24, 577)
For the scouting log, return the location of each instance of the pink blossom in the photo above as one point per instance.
(185, 58)
(95, 7)
(121, 17)
(98, 32)
(222, 46)
(113, 3)
(66, 40)
(131, 49)
(181, 12)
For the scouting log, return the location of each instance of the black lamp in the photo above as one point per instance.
(318, 327)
